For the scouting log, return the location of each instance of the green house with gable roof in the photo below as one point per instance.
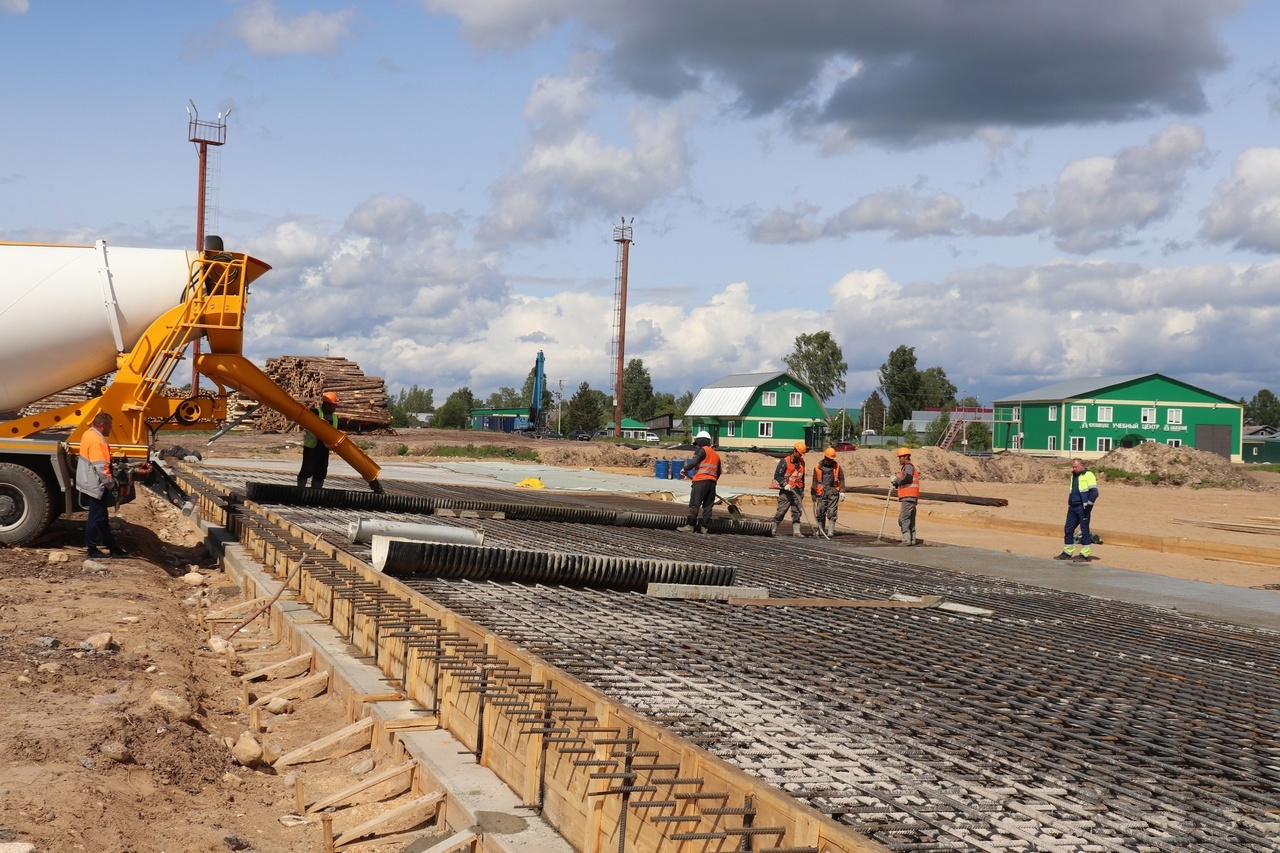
(1091, 417)
(770, 410)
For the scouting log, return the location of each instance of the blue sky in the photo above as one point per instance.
(1023, 191)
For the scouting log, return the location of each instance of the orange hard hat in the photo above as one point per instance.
(329, 397)
(830, 453)
(904, 451)
(801, 447)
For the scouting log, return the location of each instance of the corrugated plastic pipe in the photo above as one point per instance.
(364, 529)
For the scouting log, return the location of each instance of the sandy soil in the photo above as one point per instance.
(89, 762)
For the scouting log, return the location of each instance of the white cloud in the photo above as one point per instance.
(1246, 207)
(14, 7)
(905, 214)
(1099, 202)
(570, 173)
(268, 30)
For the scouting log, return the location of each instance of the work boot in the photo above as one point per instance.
(1081, 558)
(797, 532)
(118, 552)
(685, 528)
(93, 553)
(1063, 555)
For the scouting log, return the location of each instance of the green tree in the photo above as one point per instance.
(873, 414)
(586, 409)
(1263, 409)
(936, 391)
(505, 397)
(900, 382)
(664, 404)
(910, 437)
(637, 391)
(819, 362)
(683, 402)
(456, 411)
(408, 402)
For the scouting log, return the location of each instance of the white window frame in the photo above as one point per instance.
(1149, 415)
(1053, 443)
(1173, 416)
(764, 429)
(769, 398)
(1104, 444)
(797, 400)
(1077, 444)
(731, 429)
(1053, 415)
(1079, 413)
(1105, 414)
(1175, 442)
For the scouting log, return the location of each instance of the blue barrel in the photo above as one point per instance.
(662, 469)
(675, 469)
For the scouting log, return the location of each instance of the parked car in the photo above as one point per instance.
(650, 437)
(549, 434)
(602, 433)
(844, 446)
(578, 435)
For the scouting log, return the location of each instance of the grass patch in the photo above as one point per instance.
(485, 451)
(402, 450)
(1273, 467)
(366, 445)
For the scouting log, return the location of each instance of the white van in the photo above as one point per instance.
(649, 437)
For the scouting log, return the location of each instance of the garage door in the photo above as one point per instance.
(1214, 438)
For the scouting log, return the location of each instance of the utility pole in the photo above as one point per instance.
(559, 407)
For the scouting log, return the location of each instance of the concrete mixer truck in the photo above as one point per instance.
(70, 314)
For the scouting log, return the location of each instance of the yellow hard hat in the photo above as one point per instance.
(830, 453)
(329, 397)
(801, 447)
(904, 451)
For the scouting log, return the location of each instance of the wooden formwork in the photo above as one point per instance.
(605, 777)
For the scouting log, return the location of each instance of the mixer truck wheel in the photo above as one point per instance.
(25, 505)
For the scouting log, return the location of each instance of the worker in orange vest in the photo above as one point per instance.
(788, 478)
(315, 454)
(95, 481)
(828, 483)
(908, 483)
(704, 469)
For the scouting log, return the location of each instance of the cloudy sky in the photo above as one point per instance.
(1024, 191)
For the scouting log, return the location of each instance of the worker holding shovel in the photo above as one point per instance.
(908, 485)
(828, 483)
(788, 479)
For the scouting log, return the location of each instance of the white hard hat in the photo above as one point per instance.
(702, 433)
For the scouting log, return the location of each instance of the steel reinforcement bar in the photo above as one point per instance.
(603, 775)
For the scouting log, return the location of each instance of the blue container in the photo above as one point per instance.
(662, 469)
(675, 469)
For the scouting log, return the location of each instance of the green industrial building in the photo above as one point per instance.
(771, 410)
(1090, 417)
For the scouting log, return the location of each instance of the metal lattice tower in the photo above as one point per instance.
(621, 236)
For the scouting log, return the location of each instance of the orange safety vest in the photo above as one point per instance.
(795, 474)
(709, 467)
(95, 450)
(912, 489)
(819, 476)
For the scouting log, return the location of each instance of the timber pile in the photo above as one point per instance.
(76, 394)
(362, 400)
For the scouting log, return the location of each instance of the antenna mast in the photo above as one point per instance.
(203, 134)
(621, 236)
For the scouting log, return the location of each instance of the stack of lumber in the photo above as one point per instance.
(362, 400)
(75, 394)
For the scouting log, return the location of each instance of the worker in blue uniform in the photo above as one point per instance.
(1080, 501)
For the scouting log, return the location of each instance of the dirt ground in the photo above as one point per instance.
(92, 758)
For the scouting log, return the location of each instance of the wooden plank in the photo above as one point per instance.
(312, 685)
(344, 741)
(458, 841)
(290, 668)
(399, 819)
(391, 782)
(700, 592)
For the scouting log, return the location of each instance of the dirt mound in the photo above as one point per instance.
(1163, 465)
